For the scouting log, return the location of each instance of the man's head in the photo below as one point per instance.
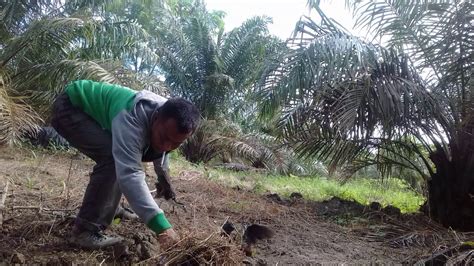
(174, 122)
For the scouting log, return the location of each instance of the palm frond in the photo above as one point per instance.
(43, 82)
(215, 139)
(206, 66)
(340, 98)
(16, 117)
(17, 15)
(52, 35)
(437, 36)
(114, 39)
(179, 59)
(39, 58)
(85, 38)
(242, 46)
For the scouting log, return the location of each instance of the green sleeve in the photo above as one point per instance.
(159, 223)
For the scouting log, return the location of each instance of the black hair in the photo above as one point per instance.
(184, 112)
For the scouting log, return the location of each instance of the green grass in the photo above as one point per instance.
(391, 191)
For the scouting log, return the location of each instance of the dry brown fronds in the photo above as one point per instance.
(191, 250)
(463, 258)
(15, 115)
(423, 238)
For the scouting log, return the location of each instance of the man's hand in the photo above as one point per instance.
(164, 190)
(167, 239)
(163, 186)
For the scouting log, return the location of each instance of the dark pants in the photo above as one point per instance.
(85, 134)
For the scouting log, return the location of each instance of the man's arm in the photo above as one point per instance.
(127, 142)
(163, 186)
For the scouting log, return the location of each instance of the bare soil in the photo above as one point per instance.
(45, 192)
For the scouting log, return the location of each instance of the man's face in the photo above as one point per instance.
(165, 135)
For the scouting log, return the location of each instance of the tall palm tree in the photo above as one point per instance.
(206, 65)
(405, 102)
(217, 71)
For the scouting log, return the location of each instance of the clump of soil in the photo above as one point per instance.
(337, 206)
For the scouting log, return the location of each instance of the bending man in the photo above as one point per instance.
(119, 128)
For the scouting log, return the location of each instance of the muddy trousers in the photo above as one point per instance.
(103, 194)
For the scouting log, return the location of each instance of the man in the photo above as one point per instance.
(119, 128)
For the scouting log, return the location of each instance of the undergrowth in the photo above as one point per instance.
(390, 191)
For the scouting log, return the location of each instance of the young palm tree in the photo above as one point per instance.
(46, 44)
(405, 102)
(205, 65)
(221, 139)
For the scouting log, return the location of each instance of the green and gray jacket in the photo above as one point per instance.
(127, 115)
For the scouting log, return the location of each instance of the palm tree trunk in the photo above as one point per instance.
(451, 188)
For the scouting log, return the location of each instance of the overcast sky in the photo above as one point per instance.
(285, 13)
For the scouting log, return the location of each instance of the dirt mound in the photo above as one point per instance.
(336, 206)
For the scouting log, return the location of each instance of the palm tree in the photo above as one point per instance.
(46, 44)
(407, 102)
(206, 65)
(217, 71)
(15, 114)
(222, 139)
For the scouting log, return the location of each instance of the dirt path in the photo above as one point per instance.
(46, 191)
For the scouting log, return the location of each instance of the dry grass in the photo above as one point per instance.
(192, 250)
(418, 231)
